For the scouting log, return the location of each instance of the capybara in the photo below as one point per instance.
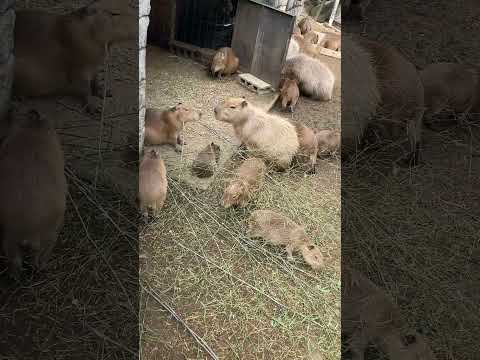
(33, 189)
(305, 25)
(370, 315)
(153, 184)
(307, 152)
(355, 9)
(62, 54)
(380, 80)
(165, 127)
(206, 161)
(279, 230)
(452, 87)
(270, 136)
(315, 79)
(247, 180)
(294, 47)
(289, 93)
(224, 63)
(328, 142)
(312, 37)
(330, 41)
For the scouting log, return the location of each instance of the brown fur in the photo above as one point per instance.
(289, 93)
(206, 161)
(279, 230)
(330, 41)
(62, 54)
(270, 136)
(328, 141)
(311, 37)
(248, 179)
(370, 315)
(153, 184)
(32, 188)
(453, 87)
(224, 63)
(165, 127)
(307, 152)
(305, 25)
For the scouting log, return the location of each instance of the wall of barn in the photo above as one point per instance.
(144, 19)
(7, 22)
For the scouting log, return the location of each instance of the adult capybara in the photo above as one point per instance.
(206, 161)
(165, 127)
(307, 152)
(279, 230)
(153, 184)
(370, 315)
(305, 25)
(315, 79)
(32, 188)
(451, 87)
(289, 94)
(247, 180)
(62, 54)
(380, 80)
(224, 63)
(328, 142)
(267, 135)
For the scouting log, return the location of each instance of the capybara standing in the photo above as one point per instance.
(380, 80)
(165, 127)
(305, 25)
(153, 184)
(248, 179)
(62, 54)
(369, 315)
(206, 161)
(307, 152)
(315, 79)
(270, 136)
(32, 188)
(289, 93)
(279, 230)
(328, 142)
(452, 87)
(224, 63)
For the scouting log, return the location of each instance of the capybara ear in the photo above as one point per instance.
(244, 103)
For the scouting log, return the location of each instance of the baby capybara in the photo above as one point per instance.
(62, 54)
(289, 93)
(307, 152)
(224, 63)
(32, 189)
(270, 136)
(206, 161)
(328, 141)
(279, 230)
(248, 179)
(165, 127)
(153, 183)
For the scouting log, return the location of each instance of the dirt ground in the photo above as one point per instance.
(241, 296)
(416, 234)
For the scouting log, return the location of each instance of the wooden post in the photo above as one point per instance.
(144, 12)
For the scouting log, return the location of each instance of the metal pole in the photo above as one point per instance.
(334, 12)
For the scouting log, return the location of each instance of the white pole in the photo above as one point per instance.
(334, 12)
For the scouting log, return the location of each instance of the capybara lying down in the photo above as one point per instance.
(165, 127)
(153, 183)
(315, 79)
(247, 180)
(62, 54)
(289, 93)
(225, 63)
(206, 161)
(305, 25)
(452, 87)
(328, 142)
(377, 77)
(269, 136)
(370, 315)
(32, 188)
(279, 230)
(307, 152)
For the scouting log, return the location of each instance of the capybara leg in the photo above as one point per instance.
(82, 87)
(144, 211)
(358, 344)
(284, 103)
(14, 255)
(289, 250)
(155, 210)
(292, 108)
(43, 254)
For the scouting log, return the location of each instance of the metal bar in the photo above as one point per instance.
(334, 12)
